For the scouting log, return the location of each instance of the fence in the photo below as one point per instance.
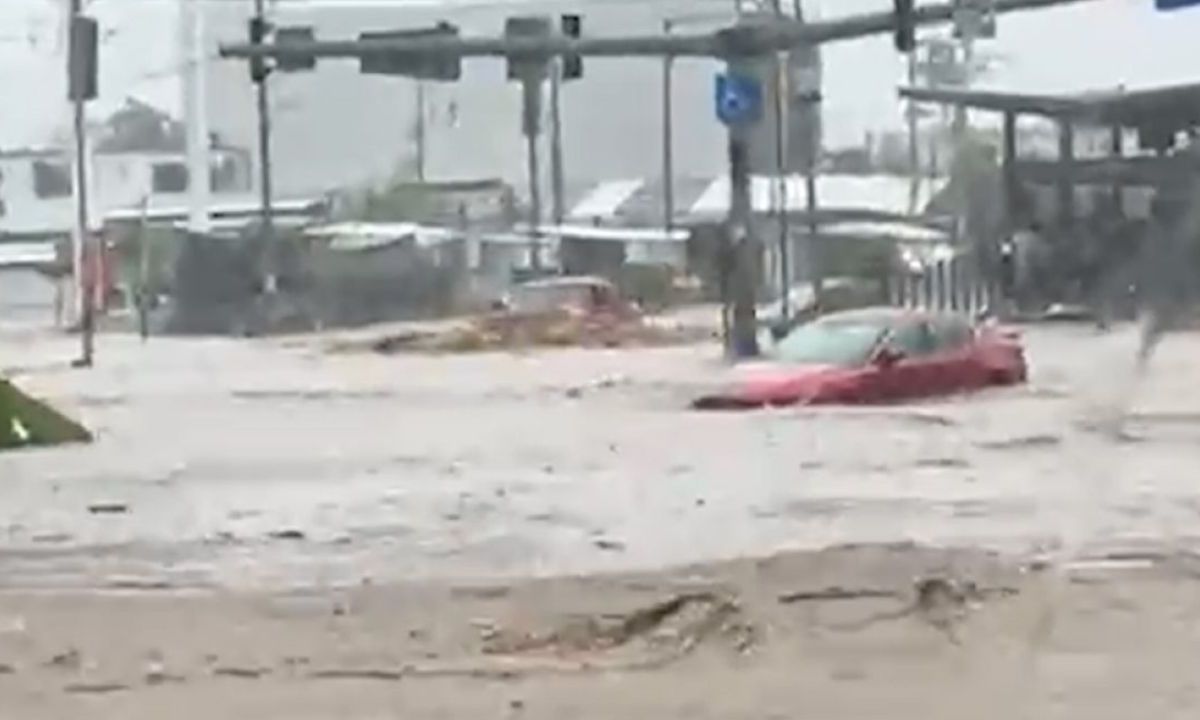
(945, 285)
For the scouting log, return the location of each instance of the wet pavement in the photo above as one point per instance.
(270, 463)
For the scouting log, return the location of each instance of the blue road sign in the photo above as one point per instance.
(738, 99)
(1175, 4)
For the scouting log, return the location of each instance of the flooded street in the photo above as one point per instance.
(277, 463)
(268, 528)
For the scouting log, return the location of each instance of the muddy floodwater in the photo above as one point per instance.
(268, 462)
(267, 529)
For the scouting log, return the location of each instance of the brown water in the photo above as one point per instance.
(259, 463)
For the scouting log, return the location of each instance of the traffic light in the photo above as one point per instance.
(424, 66)
(906, 32)
(572, 65)
(524, 67)
(295, 63)
(84, 61)
(259, 69)
(975, 19)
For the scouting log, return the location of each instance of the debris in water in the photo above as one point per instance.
(610, 545)
(1027, 442)
(68, 660)
(290, 534)
(836, 593)
(52, 538)
(942, 463)
(681, 621)
(245, 673)
(95, 688)
(358, 674)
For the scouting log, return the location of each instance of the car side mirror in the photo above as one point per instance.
(886, 357)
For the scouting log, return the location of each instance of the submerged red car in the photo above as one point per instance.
(876, 355)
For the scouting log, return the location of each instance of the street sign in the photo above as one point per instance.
(738, 99)
(1174, 4)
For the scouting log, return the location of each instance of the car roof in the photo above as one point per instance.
(891, 316)
(567, 281)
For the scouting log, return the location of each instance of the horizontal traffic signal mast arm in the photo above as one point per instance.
(650, 45)
(735, 41)
(858, 26)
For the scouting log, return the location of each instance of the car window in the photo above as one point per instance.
(952, 333)
(914, 339)
(845, 344)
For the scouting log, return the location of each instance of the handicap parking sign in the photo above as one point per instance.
(738, 99)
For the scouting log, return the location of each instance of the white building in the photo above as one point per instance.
(139, 157)
(36, 190)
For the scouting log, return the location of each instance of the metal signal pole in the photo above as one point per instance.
(668, 157)
(419, 131)
(531, 88)
(270, 258)
(557, 178)
(85, 255)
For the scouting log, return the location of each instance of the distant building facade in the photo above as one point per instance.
(138, 155)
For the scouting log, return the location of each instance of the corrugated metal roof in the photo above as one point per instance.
(246, 207)
(899, 231)
(367, 235)
(604, 200)
(25, 254)
(878, 193)
(614, 234)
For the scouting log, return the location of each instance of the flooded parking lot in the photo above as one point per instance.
(253, 463)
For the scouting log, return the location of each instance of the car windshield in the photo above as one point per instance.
(844, 344)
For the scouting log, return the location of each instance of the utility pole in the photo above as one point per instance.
(668, 156)
(531, 112)
(86, 257)
(914, 155)
(782, 208)
(744, 248)
(815, 260)
(267, 215)
(557, 180)
(196, 111)
(419, 131)
(143, 294)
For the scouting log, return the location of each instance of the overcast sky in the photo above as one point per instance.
(1094, 45)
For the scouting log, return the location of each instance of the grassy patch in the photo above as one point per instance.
(26, 422)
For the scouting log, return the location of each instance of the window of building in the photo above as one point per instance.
(51, 179)
(224, 175)
(169, 178)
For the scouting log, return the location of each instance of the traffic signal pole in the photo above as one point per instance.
(557, 178)
(531, 113)
(743, 249)
(85, 255)
(269, 259)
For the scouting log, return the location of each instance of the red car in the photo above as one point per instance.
(876, 355)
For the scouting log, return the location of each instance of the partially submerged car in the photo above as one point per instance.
(876, 355)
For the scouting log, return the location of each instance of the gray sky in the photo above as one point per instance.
(1094, 45)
